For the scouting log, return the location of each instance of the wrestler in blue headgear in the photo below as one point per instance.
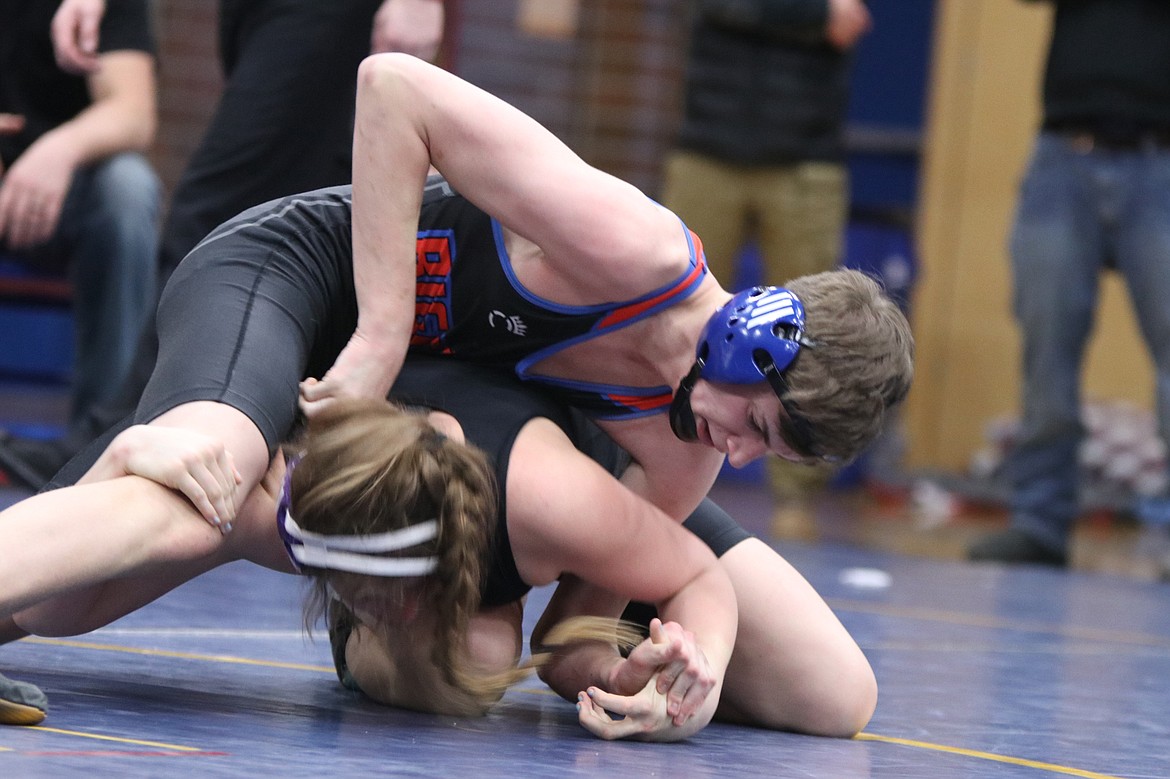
(755, 336)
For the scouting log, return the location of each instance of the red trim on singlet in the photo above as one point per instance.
(642, 403)
(633, 310)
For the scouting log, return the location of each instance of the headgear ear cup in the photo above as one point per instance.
(770, 319)
(755, 336)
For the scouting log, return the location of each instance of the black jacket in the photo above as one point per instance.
(763, 85)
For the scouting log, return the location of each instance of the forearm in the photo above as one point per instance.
(582, 665)
(122, 116)
(112, 462)
(707, 608)
(100, 131)
(391, 159)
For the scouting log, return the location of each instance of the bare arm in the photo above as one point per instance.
(568, 516)
(198, 466)
(593, 229)
(121, 118)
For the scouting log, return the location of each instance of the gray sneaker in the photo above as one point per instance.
(21, 703)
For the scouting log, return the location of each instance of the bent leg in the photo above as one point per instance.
(186, 549)
(74, 537)
(794, 666)
(61, 540)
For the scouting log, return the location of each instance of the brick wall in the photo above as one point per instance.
(610, 90)
(189, 80)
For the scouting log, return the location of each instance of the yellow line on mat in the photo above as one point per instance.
(182, 655)
(99, 737)
(303, 667)
(1052, 767)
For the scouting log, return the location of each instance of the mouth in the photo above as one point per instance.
(704, 433)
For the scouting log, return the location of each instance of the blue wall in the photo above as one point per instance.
(889, 82)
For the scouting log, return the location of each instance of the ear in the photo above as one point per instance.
(447, 425)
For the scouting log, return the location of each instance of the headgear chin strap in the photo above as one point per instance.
(755, 336)
(682, 419)
(364, 554)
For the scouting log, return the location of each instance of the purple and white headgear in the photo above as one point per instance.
(364, 554)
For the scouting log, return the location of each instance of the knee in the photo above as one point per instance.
(849, 710)
(127, 190)
(841, 711)
(835, 705)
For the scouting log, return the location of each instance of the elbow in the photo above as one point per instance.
(381, 71)
(147, 132)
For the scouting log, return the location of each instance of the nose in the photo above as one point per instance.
(741, 451)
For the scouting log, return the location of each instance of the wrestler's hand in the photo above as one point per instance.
(643, 715)
(198, 466)
(359, 372)
(411, 26)
(680, 670)
(75, 30)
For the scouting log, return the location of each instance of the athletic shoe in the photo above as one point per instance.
(21, 703)
(1015, 547)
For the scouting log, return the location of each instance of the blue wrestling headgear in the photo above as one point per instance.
(363, 554)
(755, 336)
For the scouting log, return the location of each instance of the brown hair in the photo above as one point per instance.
(369, 467)
(860, 365)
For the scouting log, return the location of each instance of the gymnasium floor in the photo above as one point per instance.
(984, 672)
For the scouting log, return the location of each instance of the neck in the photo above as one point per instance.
(681, 333)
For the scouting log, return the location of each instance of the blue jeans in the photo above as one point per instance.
(107, 241)
(1080, 212)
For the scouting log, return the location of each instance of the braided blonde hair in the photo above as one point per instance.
(369, 467)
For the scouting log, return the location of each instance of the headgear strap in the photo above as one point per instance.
(362, 554)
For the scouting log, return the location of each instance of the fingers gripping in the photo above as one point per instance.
(684, 675)
(641, 715)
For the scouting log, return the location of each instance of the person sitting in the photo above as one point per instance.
(77, 194)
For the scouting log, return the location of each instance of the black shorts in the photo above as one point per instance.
(263, 302)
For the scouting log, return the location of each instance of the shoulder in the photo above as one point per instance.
(675, 476)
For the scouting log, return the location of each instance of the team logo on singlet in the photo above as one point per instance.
(513, 324)
(435, 252)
